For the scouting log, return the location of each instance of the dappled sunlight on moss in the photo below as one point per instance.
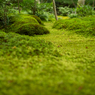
(63, 17)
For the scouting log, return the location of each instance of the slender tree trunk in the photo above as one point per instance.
(18, 6)
(55, 12)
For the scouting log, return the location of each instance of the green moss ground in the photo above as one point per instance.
(48, 73)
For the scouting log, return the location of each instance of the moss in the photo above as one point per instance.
(60, 24)
(24, 46)
(38, 19)
(32, 29)
(29, 66)
(23, 19)
(85, 26)
(26, 24)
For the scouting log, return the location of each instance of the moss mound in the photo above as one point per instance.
(32, 29)
(27, 25)
(22, 19)
(38, 19)
(85, 26)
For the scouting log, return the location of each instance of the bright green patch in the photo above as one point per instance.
(63, 17)
(22, 18)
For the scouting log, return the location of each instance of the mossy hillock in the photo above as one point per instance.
(85, 26)
(26, 25)
(32, 29)
(22, 18)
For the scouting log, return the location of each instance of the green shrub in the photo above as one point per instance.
(45, 11)
(73, 15)
(89, 18)
(64, 11)
(84, 25)
(46, 7)
(84, 10)
(45, 16)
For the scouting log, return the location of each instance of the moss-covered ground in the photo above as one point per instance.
(59, 63)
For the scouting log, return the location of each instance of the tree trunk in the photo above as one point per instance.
(18, 6)
(55, 12)
(81, 3)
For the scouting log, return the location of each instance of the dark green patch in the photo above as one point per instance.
(32, 29)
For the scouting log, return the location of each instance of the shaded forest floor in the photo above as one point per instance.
(72, 73)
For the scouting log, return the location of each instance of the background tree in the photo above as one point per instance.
(55, 12)
(18, 6)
